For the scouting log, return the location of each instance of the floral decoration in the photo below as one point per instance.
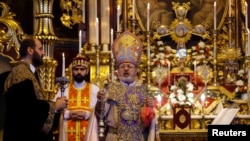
(160, 55)
(182, 93)
(202, 53)
(241, 83)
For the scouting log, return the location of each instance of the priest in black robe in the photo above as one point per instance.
(29, 116)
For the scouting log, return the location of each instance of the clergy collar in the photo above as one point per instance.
(127, 85)
(79, 85)
(32, 67)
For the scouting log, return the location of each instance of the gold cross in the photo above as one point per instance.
(181, 29)
(73, 99)
(84, 100)
(71, 130)
(206, 103)
(83, 130)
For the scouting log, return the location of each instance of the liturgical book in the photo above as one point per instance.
(225, 116)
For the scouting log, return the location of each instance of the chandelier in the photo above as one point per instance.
(73, 12)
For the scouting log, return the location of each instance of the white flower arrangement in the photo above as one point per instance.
(241, 83)
(202, 52)
(182, 94)
(160, 54)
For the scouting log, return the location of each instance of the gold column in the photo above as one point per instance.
(43, 30)
(125, 14)
(105, 24)
(92, 22)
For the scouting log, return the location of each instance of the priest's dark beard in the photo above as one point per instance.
(79, 78)
(37, 60)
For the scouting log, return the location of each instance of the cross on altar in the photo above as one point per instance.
(181, 28)
(206, 103)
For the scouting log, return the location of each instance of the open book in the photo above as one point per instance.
(225, 116)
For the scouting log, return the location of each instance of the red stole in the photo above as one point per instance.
(79, 99)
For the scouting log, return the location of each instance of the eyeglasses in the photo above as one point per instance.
(129, 66)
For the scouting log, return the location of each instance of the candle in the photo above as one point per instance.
(111, 40)
(118, 18)
(159, 100)
(97, 31)
(63, 65)
(148, 13)
(230, 9)
(246, 18)
(203, 97)
(80, 41)
(215, 15)
(133, 10)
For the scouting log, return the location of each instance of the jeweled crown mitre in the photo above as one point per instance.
(127, 48)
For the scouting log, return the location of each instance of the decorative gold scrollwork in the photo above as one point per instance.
(10, 30)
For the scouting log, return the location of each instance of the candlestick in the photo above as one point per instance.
(118, 18)
(215, 15)
(246, 18)
(80, 41)
(63, 65)
(148, 16)
(97, 31)
(133, 10)
(230, 9)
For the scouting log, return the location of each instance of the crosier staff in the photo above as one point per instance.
(101, 123)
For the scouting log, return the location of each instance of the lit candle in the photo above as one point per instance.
(133, 10)
(246, 18)
(80, 41)
(159, 100)
(118, 18)
(111, 36)
(97, 31)
(203, 98)
(148, 16)
(215, 15)
(63, 65)
(230, 9)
